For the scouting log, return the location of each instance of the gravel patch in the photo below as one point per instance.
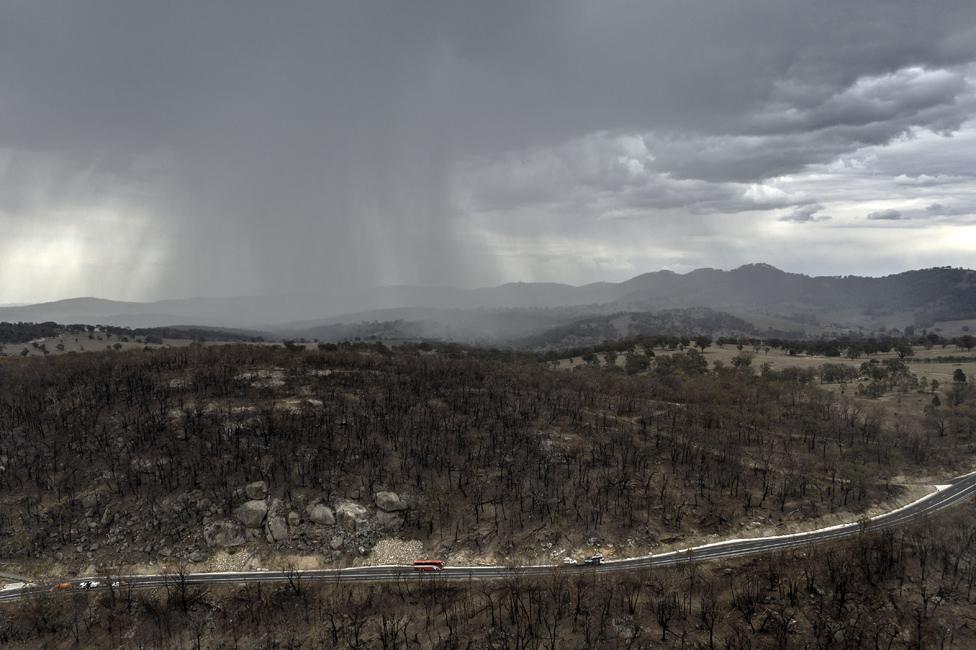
(392, 550)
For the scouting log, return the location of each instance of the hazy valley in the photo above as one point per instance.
(750, 300)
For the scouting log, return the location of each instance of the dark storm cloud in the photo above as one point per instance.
(910, 95)
(238, 147)
(885, 215)
(784, 136)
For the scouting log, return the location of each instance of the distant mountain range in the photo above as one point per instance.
(757, 297)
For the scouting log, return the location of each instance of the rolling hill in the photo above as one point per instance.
(760, 295)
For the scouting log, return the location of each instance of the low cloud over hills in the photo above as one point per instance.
(757, 295)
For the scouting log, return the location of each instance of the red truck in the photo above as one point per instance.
(428, 565)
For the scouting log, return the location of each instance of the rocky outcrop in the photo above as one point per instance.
(321, 514)
(277, 528)
(252, 513)
(256, 490)
(351, 515)
(389, 502)
(389, 520)
(276, 525)
(223, 533)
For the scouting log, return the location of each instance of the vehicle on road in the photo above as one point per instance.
(568, 561)
(594, 560)
(61, 586)
(89, 584)
(428, 565)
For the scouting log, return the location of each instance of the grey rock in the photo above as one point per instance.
(223, 533)
(252, 513)
(389, 520)
(256, 490)
(276, 525)
(336, 542)
(277, 529)
(294, 518)
(351, 515)
(321, 514)
(389, 502)
(197, 556)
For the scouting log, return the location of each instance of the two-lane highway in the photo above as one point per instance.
(955, 492)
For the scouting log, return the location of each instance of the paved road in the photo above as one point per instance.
(955, 492)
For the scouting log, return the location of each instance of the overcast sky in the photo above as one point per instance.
(169, 149)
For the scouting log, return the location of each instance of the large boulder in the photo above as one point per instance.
(277, 528)
(256, 490)
(351, 515)
(389, 502)
(389, 520)
(223, 533)
(252, 513)
(276, 524)
(321, 514)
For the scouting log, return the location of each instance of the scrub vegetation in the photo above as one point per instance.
(121, 459)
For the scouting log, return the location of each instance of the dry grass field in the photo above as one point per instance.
(98, 342)
(900, 410)
(924, 363)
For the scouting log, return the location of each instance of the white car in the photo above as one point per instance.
(89, 584)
